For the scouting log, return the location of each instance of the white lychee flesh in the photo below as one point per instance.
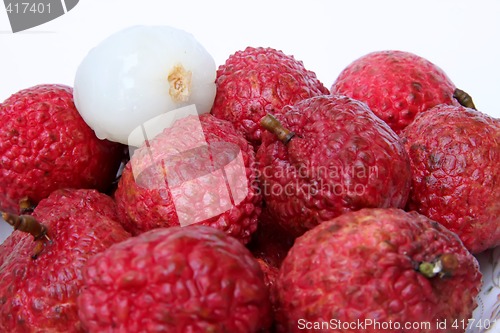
(140, 73)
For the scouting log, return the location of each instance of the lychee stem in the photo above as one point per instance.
(464, 98)
(28, 224)
(26, 206)
(273, 125)
(444, 265)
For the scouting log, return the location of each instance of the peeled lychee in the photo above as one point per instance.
(139, 73)
(45, 145)
(455, 157)
(257, 81)
(383, 269)
(396, 85)
(182, 279)
(199, 170)
(328, 156)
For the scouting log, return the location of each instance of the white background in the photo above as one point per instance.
(462, 37)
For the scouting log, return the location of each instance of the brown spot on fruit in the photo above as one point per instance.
(449, 262)
(179, 80)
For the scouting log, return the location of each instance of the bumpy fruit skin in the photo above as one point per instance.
(169, 172)
(455, 158)
(75, 201)
(342, 158)
(45, 145)
(39, 295)
(179, 279)
(362, 266)
(257, 81)
(396, 85)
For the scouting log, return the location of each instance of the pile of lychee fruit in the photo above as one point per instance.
(163, 194)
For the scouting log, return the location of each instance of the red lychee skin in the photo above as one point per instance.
(46, 145)
(75, 201)
(362, 265)
(257, 81)
(179, 279)
(455, 158)
(142, 206)
(342, 158)
(39, 295)
(270, 276)
(396, 85)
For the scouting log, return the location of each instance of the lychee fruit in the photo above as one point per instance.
(199, 170)
(377, 269)
(45, 145)
(139, 73)
(455, 156)
(257, 81)
(179, 279)
(328, 155)
(396, 85)
(41, 275)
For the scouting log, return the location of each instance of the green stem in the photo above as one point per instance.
(444, 265)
